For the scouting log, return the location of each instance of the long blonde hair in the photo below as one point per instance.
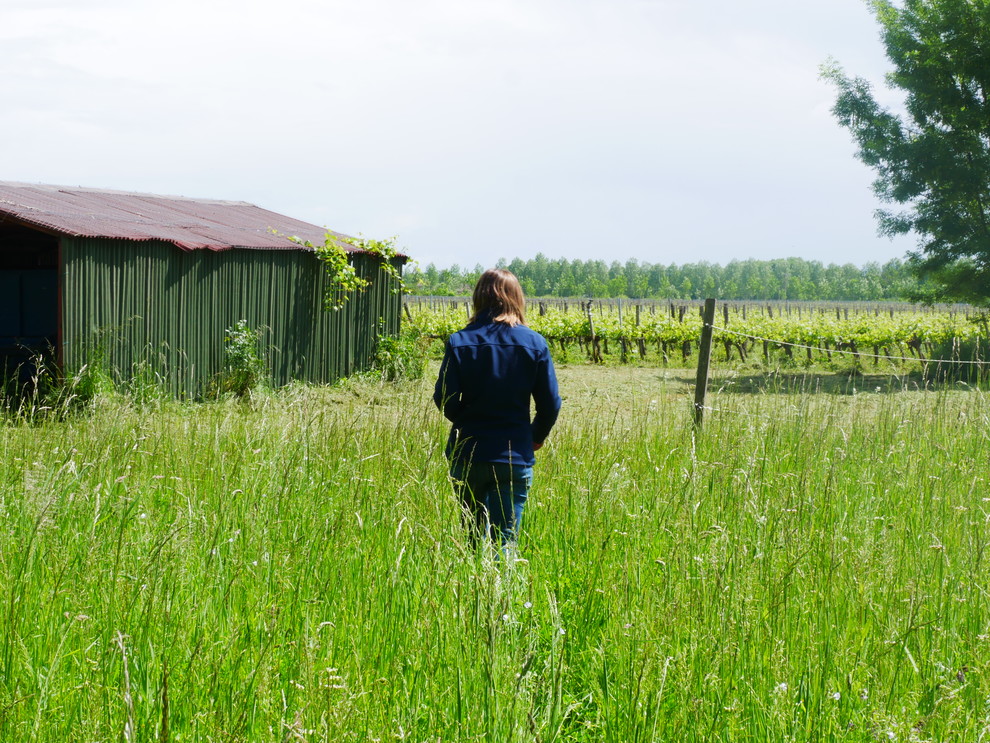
(498, 292)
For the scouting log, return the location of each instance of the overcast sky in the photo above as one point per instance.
(669, 131)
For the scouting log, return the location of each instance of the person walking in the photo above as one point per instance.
(490, 372)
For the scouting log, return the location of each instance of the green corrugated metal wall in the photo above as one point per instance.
(124, 303)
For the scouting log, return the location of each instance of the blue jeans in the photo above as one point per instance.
(493, 495)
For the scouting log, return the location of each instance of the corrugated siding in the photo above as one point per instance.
(126, 304)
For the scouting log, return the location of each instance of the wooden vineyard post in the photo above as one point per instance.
(725, 324)
(704, 360)
(596, 351)
(686, 345)
(624, 353)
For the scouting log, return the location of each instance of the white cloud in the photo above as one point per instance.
(473, 129)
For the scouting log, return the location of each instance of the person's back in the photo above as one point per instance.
(490, 371)
(499, 369)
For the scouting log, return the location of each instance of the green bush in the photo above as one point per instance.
(244, 368)
(402, 356)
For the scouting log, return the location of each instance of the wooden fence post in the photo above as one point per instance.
(624, 352)
(704, 361)
(596, 352)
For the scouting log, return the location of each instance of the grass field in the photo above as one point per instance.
(811, 566)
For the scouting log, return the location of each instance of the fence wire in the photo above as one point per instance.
(849, 353)
(795, 418)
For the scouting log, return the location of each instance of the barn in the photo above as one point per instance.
(143, 282)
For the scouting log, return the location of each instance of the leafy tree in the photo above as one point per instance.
(637, 279)
(785, 278)
(934, 158)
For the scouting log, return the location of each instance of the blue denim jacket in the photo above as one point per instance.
(490, 371)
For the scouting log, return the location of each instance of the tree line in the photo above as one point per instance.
(794, 279)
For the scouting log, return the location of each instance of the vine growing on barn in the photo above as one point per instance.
(344, 280)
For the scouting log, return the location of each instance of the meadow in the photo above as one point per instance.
(809, 566)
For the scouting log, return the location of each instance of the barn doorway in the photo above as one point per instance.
(28, 298)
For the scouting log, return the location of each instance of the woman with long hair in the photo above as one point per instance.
(491, 370)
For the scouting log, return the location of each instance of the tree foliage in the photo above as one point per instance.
(933, 158)
(780, 279)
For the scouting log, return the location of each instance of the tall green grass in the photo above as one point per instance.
(806, 567)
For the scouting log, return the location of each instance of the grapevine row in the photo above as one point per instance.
(814, 336)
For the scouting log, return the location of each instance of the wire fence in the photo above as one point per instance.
(848, 352)
(701, 407)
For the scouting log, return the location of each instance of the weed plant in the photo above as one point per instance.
(807, 567)
(403, 356)
(245, 369)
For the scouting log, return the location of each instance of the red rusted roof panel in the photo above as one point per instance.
(190, 224)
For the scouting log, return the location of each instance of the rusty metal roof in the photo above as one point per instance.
(190, 224)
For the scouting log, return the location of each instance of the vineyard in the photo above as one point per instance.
(667, 331)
